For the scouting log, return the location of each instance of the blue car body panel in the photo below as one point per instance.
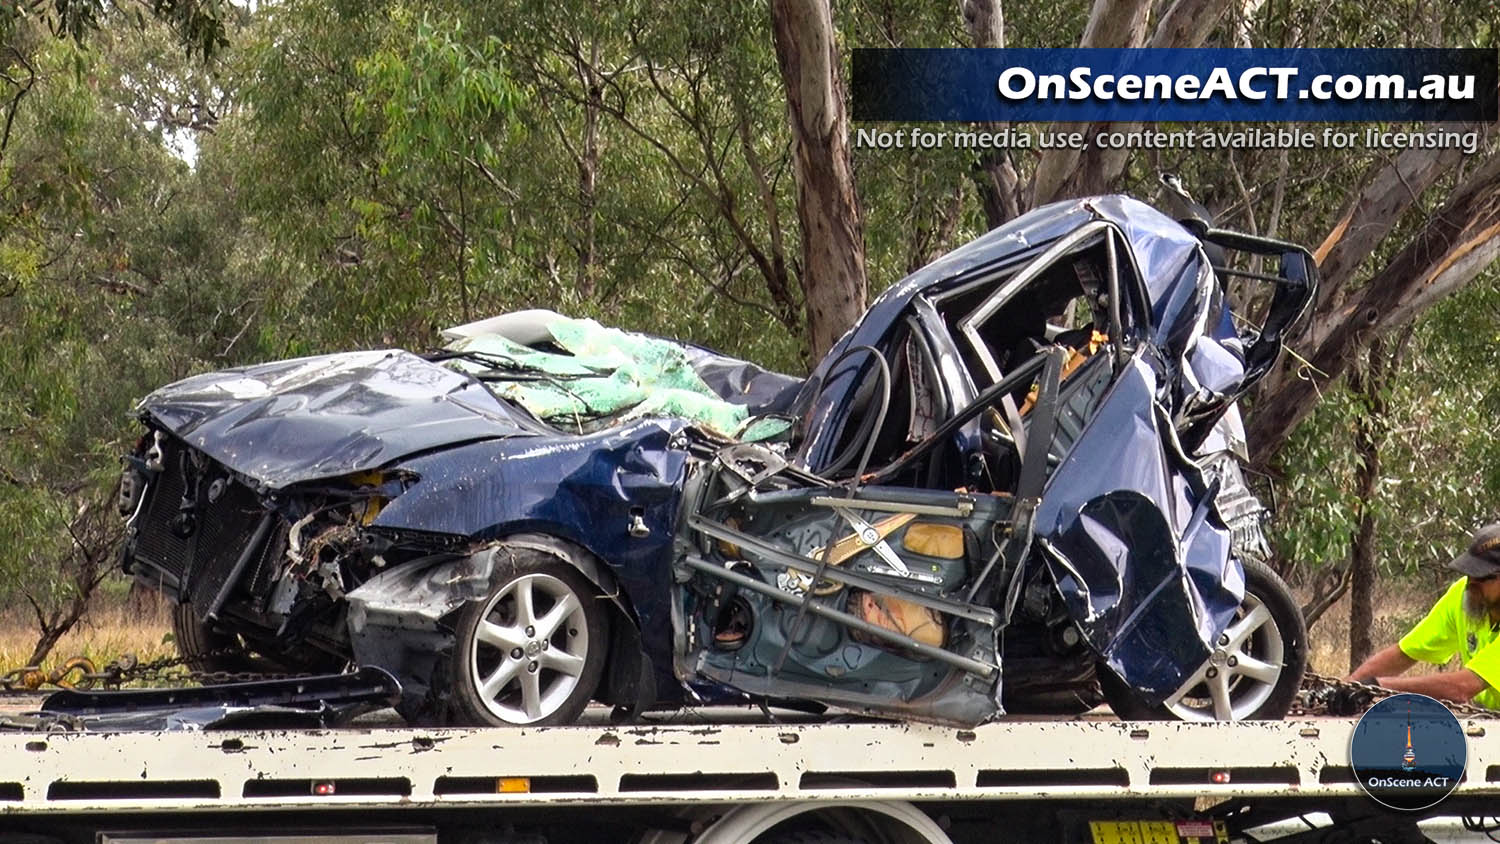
(582, 489)
(1133, 544)
(1148, 595)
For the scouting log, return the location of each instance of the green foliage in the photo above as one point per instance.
(437, 94)
(1439, 476)
(368, 172)
(199, 25)
(103, 250)
(431, 103)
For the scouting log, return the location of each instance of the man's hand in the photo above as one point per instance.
(1391, 660)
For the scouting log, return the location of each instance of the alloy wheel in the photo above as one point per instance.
(529, 649)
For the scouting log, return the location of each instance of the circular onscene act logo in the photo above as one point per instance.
(1408, 752)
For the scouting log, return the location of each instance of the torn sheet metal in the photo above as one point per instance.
(301, 703)
(1136, 551)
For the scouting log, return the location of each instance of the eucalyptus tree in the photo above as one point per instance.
(100, 221)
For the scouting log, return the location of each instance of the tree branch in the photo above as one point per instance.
(1062, 173)
(15, 103)
(1457, 242)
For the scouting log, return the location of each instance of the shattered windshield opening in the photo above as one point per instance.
(1072, 297)
(1063, 297)
(915, 406)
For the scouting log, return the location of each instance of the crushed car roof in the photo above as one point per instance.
(1164, 250)
(321, 417)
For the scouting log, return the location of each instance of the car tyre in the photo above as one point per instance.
(1268, 645)
(532, 652)
(205, 648)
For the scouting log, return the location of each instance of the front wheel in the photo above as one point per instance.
(207, 648)
(1255, 670)
(533, 651)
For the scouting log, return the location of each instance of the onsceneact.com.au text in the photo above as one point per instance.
(1080, 84)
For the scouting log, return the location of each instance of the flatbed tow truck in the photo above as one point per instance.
(1165, 364)
(687, 781)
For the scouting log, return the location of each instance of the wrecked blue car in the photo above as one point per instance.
(1013, 486)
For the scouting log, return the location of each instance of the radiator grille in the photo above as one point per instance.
(155, 543)
(224, 527)
(202, 562)
(266, 565)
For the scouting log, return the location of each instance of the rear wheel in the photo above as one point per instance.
(1255, 670)
(533, 651)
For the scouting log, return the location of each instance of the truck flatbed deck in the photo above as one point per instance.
(1114, 767)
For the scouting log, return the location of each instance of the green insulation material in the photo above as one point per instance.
(609, 376)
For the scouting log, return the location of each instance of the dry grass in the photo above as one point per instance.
(115, 626)
(1399, 605)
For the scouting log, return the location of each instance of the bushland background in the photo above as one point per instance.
(194, 184)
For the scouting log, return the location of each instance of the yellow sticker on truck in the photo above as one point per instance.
(1159, 832)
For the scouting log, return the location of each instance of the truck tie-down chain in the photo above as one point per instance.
(80, 673)
(30, 678)
(1324, 695)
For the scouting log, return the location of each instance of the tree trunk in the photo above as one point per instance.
(1365, 222)
(588, 174)
(1455, 245)
(1369, 429)
(1328, 588)
(1362, 561)
(1188, 23)
(994, 173)
(1061, 173)
(833, 242)
(463, 244)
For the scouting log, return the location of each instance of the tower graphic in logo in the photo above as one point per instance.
(1391, 771)
(1409, 758)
